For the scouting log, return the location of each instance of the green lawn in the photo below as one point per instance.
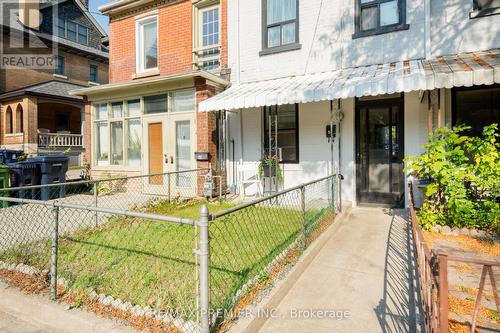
(152, 263)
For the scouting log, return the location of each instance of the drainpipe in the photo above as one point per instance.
(427, 28)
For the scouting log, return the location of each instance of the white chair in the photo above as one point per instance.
(248, 175)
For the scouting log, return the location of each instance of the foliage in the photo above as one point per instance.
(464, 174)
(273, 162)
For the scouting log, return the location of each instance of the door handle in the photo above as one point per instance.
(171, 160)
(166, 158)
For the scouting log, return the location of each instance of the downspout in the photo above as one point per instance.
(427, 28)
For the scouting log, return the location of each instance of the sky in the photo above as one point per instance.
(103, 20)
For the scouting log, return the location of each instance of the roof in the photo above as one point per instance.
(52, 89)
(120, 5)
(158, 80)
(82, 8)
(461, 70)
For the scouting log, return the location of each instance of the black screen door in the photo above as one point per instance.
(379, 152)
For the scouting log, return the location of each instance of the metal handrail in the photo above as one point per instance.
(96, 181)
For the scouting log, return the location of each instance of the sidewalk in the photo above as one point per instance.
(21, 313)
(366, 269)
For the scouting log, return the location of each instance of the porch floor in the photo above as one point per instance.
(367, 267)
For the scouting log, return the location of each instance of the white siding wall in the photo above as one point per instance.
(326, 29)
(452, 31)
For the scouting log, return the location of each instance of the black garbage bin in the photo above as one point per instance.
(9, 156)
(51, 170)
(23, 173)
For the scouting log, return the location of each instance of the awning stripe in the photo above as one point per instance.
(461, 70)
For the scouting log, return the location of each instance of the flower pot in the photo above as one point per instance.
(269, 171)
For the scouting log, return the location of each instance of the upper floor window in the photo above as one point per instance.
(93, 73)
(59, 65)
(72, 31)
(280, 25)
(485, 8)
(208, 55)
(147, 44)
(380, 16)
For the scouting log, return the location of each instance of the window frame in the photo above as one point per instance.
(477, 11)
(401, 25)
(297, 137)
(63, 62)
(92, 66)
(282, 47)
(139, 50)
(78, 26)
(198, 39)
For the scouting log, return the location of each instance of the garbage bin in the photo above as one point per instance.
(4, 183)
(51, 170)
(23, 173)
(9, 156)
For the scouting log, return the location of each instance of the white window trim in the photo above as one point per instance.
(200, 25)
(139, 51)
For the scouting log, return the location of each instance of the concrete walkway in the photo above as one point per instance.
(21, 313)
(365, 271)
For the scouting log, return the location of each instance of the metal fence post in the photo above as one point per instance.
(53, 256)
(203, 253)
(443, 292)
(303, 215)
(96, 195)
(168, 186)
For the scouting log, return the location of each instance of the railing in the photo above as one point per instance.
(207, 57)
(140, 261)
(50, 140)
(433, 278)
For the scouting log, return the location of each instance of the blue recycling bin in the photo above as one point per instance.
(23, 173)
(9, 156)
(51, 170)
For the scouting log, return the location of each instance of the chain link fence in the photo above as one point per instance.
(183, 264)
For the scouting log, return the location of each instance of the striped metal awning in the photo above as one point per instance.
(461, 70)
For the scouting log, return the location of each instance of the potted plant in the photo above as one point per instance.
(270, 167)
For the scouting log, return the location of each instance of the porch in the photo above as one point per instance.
(44, 119)
(361, 122)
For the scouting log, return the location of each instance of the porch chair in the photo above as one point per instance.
(248, 175)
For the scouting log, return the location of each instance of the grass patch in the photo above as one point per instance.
(151, 263)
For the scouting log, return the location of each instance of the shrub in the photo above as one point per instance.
(464, 174)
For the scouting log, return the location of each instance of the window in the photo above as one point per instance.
(183, 101)
(209, 38)
(118, 133)
(287, 135)
(59, 65)
(155, 104)
(380, 16)
(486, 4)
(147, 44)
(8, 121)
(83, 35)
(476, 108)
(93, 73)
(485, 8)
(19, 119)
(281, 24)
(72, 31)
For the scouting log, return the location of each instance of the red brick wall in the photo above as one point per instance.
(175, 42)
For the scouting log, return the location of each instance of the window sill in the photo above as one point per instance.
(14, 134)
(148, 73)
(380, 31)
(59, 76)
(484, 12)
(280, 49)
(94, 84)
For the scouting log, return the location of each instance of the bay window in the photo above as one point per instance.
(147, 44)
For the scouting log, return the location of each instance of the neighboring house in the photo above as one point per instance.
(165, 57)
(37, 113)
(386, 73)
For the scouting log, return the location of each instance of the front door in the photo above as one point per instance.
(379, 152)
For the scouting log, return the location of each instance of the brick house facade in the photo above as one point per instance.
(186, 60)
(38, 115)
